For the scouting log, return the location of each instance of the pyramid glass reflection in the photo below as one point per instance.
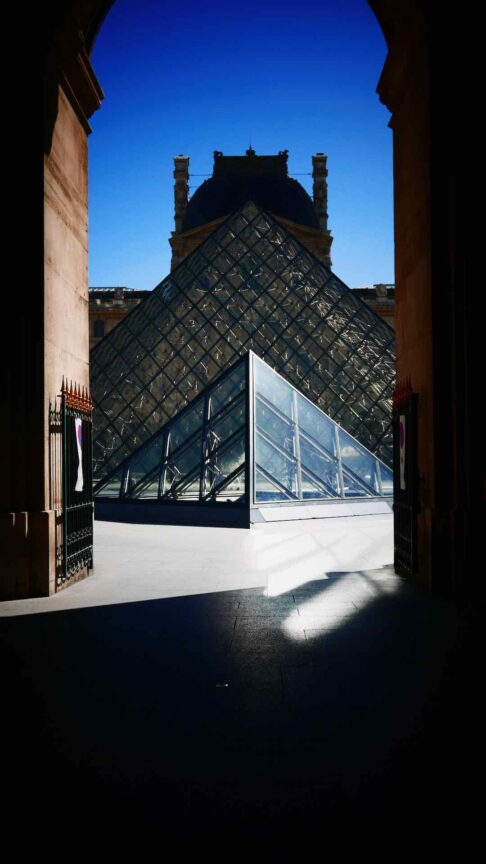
(250, 285)
(250, 439)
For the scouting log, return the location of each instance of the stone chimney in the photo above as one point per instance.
(181, 190)
(319, 173)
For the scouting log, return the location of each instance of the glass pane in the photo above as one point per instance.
(156, 420)
(144, 462)
(325, 468)
(190, 387)
(206, 369)
(176, 369)
(111, 489)
(266, 491)
(224, 463)
(234, 490)
(172, 486)
(223, 354)
(384, 451)
(143, 404)
(186, 425)
(149, 488)
(173, 403)
(229, 389)
(278, 466)
(207, 336)
(226, 425)
(107, 440)
(316, 425)
(162, 352)
(273, 388)
(182, 463)
(281, 431)
(359, 461)
(386, 480)
(111, 405)
(189, 490)
(310, 489)
(126, 422)
(352, 488)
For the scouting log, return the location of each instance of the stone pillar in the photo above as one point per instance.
(319, 173)
(435, 169)
(51, 321)
(181, 197)
(181, 190)
(404, 89)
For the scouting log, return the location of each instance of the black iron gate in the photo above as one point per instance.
(405, 481)
(72, 481)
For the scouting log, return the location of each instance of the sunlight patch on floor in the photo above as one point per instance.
(336, 604)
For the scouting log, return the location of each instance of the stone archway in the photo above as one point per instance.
(434, 317)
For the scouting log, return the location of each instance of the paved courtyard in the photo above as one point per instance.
(276, 685)
(148, 562)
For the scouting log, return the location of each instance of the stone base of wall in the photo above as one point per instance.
(28, 556)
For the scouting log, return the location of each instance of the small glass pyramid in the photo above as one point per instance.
(249, 439)
(250, 286)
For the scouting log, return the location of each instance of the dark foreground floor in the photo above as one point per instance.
(200, 720)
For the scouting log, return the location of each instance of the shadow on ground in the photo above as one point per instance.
(201, 718)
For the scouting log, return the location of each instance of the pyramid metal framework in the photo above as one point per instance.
(248, 440)
(250, 286)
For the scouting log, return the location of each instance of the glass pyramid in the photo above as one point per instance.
(247, 440)
(250, 285)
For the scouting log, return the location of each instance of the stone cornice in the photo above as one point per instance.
(205, 228)
(209, 227)
(404, 66)
(80, 85)
(103, 313)
(303, 229)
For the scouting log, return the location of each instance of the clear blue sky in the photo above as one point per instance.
(201, 76)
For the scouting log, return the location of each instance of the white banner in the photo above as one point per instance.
(402, 452)
(78, 426)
